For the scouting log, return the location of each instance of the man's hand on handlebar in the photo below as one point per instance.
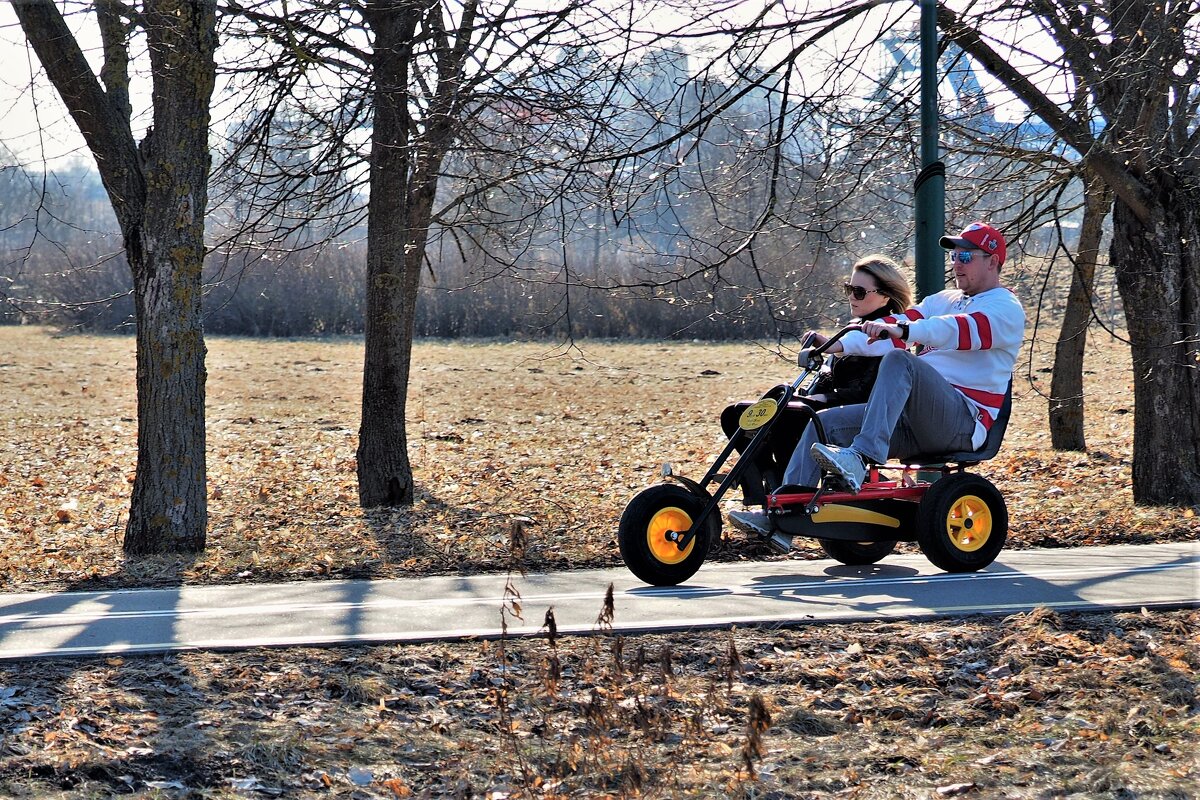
(875, 330)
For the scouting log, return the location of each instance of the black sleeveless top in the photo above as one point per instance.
(850, 378)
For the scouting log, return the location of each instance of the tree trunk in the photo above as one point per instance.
(159, 193)
(1066, 384)
(1158, 276)
(393, 268)
(406, 160)
(169, 511)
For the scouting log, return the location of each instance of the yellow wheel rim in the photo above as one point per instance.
(662, 548)
(969, 524)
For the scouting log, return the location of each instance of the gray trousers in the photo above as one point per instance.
(911, 410)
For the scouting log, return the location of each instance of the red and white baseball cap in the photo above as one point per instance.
(978, 236)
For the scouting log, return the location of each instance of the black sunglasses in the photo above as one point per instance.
(857, 292)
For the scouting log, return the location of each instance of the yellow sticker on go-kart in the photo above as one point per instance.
(757, 415)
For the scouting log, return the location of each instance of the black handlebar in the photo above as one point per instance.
(810, 358)
(822, 348)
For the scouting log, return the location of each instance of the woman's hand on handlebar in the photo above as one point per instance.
(813, 339)
(818, 344)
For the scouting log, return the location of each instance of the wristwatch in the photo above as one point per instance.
(903, 326)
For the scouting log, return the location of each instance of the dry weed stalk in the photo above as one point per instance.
(618, 656)
(604, 621)
(666, 665)
(511, 606)
(597, 710)
(518, 544)
(633, 779)
(733, 663)
(553, 663)
(756, 725)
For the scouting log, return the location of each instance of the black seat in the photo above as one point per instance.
(991, 445)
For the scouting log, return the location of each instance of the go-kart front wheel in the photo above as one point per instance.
(647, 551)
(962, 523)
(856, 554)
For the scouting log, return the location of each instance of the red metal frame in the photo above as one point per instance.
(874, 488)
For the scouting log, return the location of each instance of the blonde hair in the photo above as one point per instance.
(892, 282)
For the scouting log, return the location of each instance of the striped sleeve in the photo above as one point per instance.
(974, 331)
(982, 328)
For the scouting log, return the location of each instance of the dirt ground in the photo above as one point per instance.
(1034, 705)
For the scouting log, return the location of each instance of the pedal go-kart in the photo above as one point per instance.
(958, 519)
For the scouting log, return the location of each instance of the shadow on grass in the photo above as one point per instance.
(437, 536)
(92, 706)
(85, 660)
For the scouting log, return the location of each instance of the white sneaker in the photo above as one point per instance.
(842, 463)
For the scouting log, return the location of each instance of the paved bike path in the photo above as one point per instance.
(460, 607)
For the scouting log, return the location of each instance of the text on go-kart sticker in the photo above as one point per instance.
(757, 415)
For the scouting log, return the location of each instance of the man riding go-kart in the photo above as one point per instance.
(946, 406)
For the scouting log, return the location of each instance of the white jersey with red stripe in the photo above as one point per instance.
(972, 341)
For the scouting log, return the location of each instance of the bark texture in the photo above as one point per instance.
(1157, 266)
(159, 191)
(1066, 407)
(406, 158)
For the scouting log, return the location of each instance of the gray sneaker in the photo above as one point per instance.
(752, 522)
(780, 542)
(842, 463)
(759, 523)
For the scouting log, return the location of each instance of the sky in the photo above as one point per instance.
(35, 128)
(34, 124)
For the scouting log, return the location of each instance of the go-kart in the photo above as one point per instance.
(958, 519)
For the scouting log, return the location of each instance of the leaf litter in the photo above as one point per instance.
(1033, 705)
(493, 443)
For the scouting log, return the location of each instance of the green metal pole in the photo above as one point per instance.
(931, 182)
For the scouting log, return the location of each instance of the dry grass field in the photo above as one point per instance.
(1033, 705)
(557, 437)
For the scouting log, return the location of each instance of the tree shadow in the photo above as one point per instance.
(93, 698)
(394, 533)
(72, 661)
(893, 590)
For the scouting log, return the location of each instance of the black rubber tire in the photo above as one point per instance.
(962, 523)
(641, 525)
(856, 554)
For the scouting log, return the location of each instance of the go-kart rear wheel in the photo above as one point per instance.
(856, 553)
(962, 523)
(647, 551)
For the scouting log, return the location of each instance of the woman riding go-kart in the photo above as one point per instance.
(959, 519)
(875, 289)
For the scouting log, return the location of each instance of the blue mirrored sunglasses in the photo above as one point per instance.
(964, 256)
